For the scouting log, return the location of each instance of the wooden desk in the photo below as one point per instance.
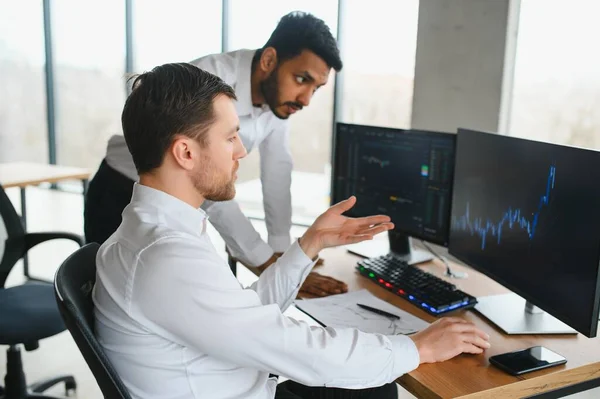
(23, 174)
(470, 376)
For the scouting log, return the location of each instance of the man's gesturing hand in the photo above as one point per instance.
(332, 228)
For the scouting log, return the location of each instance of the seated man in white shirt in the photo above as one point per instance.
(171, 316)
(271, 84)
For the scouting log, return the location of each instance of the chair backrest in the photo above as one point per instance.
(14, 244)
(73, 287)
(12, 220)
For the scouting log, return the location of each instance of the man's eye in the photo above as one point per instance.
(300, 79)
(232, 139)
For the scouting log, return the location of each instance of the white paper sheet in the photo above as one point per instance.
(342, 311)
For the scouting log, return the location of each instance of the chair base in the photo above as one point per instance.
(16, 385)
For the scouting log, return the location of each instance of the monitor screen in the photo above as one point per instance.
(405, 174)
(527, 214)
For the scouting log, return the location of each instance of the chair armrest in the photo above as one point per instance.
(33, 239)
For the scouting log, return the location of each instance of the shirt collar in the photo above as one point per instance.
(158, 207)
(243, 83)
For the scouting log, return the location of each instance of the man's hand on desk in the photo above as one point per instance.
(449, 337)
(317, 285)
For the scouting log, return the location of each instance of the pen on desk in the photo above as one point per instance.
(378, 311)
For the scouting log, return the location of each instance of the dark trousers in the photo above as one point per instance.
(293, 390)
(109, 192)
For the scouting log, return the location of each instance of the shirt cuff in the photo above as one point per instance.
(295, 259)
(257, 256)
(280, 243)
(406, 354)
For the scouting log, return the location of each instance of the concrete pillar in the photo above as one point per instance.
(464, 64)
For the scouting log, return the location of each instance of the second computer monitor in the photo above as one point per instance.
(406, 174)
(527, 214)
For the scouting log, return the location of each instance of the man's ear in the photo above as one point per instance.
(268, 60)
(182, 152)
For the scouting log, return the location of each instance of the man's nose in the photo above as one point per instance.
(304, 98)
(240, 151)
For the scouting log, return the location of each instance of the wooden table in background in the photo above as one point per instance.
(23, 174)
(471, 376)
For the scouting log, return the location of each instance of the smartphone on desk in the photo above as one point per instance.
(526, 360)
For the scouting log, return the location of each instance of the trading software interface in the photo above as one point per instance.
(404, 174)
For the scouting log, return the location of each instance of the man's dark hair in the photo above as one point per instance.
(299, 31)
(170, 100)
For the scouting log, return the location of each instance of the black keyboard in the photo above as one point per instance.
(422, 289)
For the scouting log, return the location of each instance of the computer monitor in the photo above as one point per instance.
(527, 214)
(406, 174)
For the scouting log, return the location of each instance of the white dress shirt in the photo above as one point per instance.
(175, 322)
(259, 127)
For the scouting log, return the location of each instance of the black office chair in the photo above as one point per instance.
(18, 242)
(28, 312)
(73, 288)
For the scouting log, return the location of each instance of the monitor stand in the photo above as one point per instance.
(398, 244)
(503, 310)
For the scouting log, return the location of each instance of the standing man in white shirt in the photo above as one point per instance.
(271, 84)
(172, 318)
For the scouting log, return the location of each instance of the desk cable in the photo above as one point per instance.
(449, 272)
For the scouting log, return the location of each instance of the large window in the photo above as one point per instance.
(250, 25)
(174, 31)
(378, 47)
(89, 49)
(556, 93)
(23, 127)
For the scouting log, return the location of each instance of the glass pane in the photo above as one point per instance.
(89, 50)
(251, 24)
(23, 126)
(379, 62)
(557, 85)
(174, 31)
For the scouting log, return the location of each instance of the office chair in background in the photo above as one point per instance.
(28, 312)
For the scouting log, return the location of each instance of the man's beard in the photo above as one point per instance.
(212, 187)
(270, 91)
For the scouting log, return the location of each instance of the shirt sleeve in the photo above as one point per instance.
(276, 166)
(280, 282)
(190, 296)
(237, 231)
